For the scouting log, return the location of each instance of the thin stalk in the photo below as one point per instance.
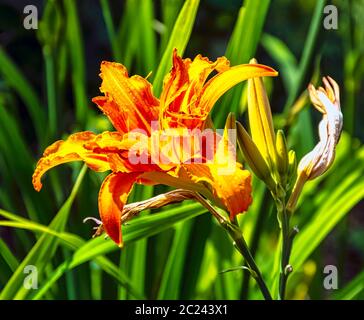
(240, 244)
(285, 252)
(242, 247)
(235, 233)
(288, 235)
(262, 214)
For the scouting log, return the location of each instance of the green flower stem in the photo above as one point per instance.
(242, 247)
(287, 239)
(235, 233)
(255, 239)
(285, 254)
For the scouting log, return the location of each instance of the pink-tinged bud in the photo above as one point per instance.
(318, 161)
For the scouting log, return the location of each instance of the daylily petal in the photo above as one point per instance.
(233, 190)
(128, 101)
(230, 184)
(118, 148)
(174, 146)
(174, 84)
(108, 142)
(112, 198)
(260, 119)
(72, 149)
(201, 67)
(131, 152)
(198, 71)
(176, 179)
(110, 108)
(224, 81)
(182, 89)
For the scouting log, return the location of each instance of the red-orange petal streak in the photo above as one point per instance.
(128, 102)
(112, 198)
(72, 149)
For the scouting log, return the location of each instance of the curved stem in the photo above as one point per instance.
(284, 215)
(262, 214)
(245, 252)
(285, 252)
(240, 244)
(235, 233)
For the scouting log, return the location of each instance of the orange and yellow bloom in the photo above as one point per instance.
(185, 103)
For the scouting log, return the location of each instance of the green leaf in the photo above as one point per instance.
(128, 37)
(138, 228)
(170, 10)
(142, 227)
(352, 289)
(49, 34)
(338, 203)
(172, 279)
(147, 39)
(283, 56)
(43, 250)
(7, 255)
(241, 49)
(20, 164)
(134, 257)
(307, 54)
(96, 281)
(77, 55)
(198, 239)
(227, 285)
(70, 241)
(106, 12)
(16, 80)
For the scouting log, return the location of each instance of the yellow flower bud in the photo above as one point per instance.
(260, 119)
(253, 157)
(230, 123)
(282, 154)
(292, 166)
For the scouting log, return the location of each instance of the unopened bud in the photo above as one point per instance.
(318, 161)
(282, 156)
(230, 123)
(260, 119)
(253, 157)
(292, 166)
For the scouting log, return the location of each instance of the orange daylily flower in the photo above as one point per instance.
(185, 103)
